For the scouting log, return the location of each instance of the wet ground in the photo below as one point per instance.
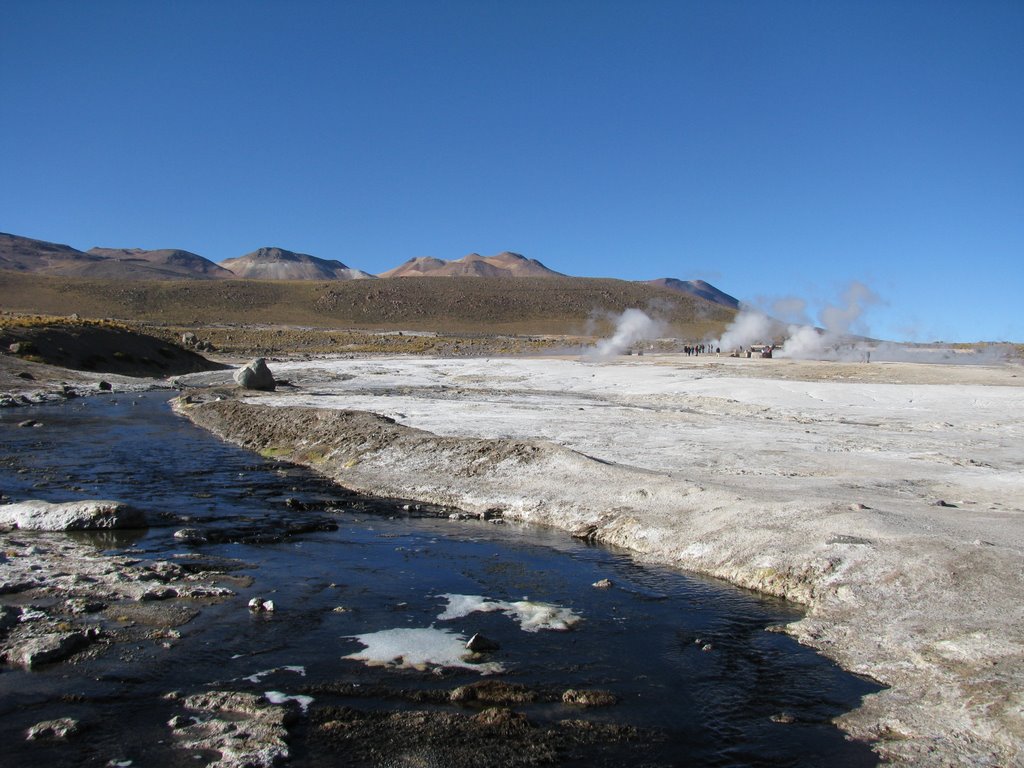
(695, 678)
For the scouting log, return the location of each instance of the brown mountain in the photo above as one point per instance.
(506, 264)
(279, 264)
(25, 254)
(698, 288)
(171, 262)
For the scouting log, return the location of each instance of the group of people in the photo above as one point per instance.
(699, 349)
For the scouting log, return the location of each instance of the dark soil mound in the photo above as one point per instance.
(100, 347)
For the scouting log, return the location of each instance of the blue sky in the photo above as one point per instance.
(775, 149)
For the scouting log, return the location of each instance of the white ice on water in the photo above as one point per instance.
(255, 678)
(418, 648)
(532, 616)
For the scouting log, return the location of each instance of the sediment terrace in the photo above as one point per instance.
(885, 498)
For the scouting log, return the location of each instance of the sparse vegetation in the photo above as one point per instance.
(454, 306)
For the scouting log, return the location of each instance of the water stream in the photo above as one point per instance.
(688, 659)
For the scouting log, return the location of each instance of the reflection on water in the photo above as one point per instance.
(688, 658)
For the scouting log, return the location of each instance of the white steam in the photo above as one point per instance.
(840, 335)
(748, 327)
(631, 326)
(834, 341)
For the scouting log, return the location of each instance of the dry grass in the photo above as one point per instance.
(459, 306)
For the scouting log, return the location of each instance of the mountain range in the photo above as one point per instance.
(27, 255)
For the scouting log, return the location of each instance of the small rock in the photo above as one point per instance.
(30, 423)
(159, 594)
(859, 507)
(180, 721)
(480, 644)
(80, 605)
(783, 717)
(190, 535)
(259, 605)
(707, 647)
(22, 348)
(105, 386)
(942, 503)
(53, 729)
(26, 375)
(591, 698)
(603, 584)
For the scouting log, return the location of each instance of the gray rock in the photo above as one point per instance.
(51, 647)
(256, 375)
(87, 515)
(602, 584)
(22, 348)
(80, 605)
(244, 728)
(190, 535)
(53, 729)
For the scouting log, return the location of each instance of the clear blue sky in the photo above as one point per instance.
(772, 148)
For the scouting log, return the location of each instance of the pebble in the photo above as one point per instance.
(259, 605)
(53, 729)
(479, 643)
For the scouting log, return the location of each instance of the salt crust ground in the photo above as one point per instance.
(815, 481)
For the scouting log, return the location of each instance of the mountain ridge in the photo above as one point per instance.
(504, 264)
(29, 255)
(698, 288)
(273, 263)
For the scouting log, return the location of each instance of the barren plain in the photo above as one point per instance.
(885, 497)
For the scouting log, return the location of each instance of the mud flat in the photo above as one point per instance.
(887, 498)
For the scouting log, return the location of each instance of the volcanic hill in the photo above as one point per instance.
(505, 264)
(280, 264)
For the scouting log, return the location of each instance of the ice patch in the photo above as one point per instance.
(276, 697)
(260, 675)
(532, 616)
(418, 649)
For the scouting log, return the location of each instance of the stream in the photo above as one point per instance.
(695, 677)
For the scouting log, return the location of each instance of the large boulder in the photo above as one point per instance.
(256, 375)
(88, 515)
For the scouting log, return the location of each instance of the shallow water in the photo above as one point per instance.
(644, 640)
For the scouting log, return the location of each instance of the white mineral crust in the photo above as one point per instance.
(820, 482)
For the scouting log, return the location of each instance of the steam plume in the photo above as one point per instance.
(841, 334)
(631, 326)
